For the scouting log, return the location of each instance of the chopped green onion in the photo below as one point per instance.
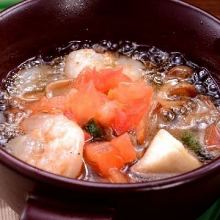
(191, 142)
(93, 128)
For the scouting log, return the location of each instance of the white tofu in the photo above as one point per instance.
(166, 154)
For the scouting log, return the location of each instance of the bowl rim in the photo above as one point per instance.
(36, 174)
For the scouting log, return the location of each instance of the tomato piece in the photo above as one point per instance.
(121, 123)
(110, 78)
(105, 156)
(127, 92)
(104, 80)
(212, 135)
(113, 115)
(102, 157)
(107, 113)
(86, 76)
(125, 147)
(84, 104)
(116, 176)
(141, 130)
(78, 105)
(135, 99)
(136, 112)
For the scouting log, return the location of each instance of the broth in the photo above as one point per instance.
(184, 109)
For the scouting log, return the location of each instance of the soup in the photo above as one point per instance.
(114, 112)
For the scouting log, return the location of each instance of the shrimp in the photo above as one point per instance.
(132, 68)
(78, 60)
(50, 142)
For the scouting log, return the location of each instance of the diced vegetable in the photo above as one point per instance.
(84, 104)
(104, 80)
(104, 156)
(121, 123)
(135, 99)
(141, 130)
(107, 112)
(166, 155)
(125, 148)
(79, 105)
(212, 135)
(94, 129)
(131, 92)
(190, 142)
(121, 109)
(194, 145)
(116, 176)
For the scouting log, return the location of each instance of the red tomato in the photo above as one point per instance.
(141, 130)
(84, 104)
(105, 156)
(121, 123)
(121, 109)
(127, 92)
(125, 147)
(212, 135)
(102, 157)
(107, 112)
(104, 80)
(135, 99)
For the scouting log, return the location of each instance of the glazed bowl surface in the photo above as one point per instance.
(35, 27)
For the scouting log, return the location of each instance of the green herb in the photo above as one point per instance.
(190, 141)
(93, 128)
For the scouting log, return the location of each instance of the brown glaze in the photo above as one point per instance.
(34, 27)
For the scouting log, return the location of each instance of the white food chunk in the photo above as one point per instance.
(134, 69)
(78, 60)
(52, 143)
(166, 155)
(86, 58)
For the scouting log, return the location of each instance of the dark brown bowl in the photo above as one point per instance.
(36, 26)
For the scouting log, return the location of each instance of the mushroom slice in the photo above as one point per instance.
(166, 155)
(58, 88)
(168, 104)
(180, 90)
(184, 90)
(32, 96)
(180, 72)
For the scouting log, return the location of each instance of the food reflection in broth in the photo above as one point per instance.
(111, 112)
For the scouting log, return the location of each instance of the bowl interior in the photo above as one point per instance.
(30, 28)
